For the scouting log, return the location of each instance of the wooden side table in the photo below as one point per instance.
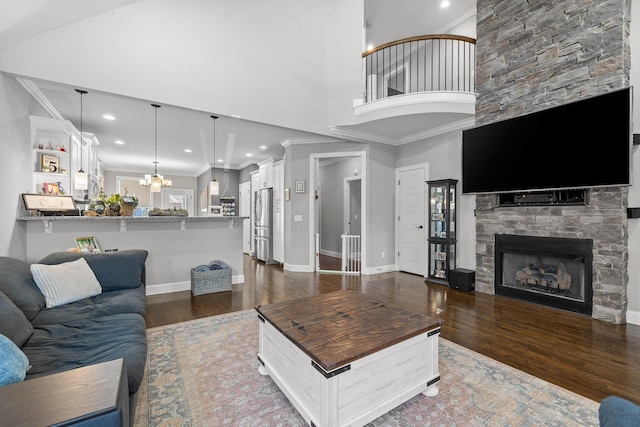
(96, 395)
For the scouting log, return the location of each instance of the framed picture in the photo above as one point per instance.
(87, 244)
(215, 210)
(48, 203)
(50, 164)
(204, 198)
(299, 186)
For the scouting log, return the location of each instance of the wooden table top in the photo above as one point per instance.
(336, 328)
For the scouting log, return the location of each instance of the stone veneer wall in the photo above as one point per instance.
(536, 55)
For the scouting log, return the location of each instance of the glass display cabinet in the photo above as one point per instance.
(442, 229)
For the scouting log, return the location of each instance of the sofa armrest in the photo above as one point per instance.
(114, 270)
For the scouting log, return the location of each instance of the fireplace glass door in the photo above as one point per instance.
(553, 271)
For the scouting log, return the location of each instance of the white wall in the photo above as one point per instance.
(230, 57)
(15, 172)
(443, 153)
(633, 288)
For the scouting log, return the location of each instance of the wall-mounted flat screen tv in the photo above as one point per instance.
(582, 144)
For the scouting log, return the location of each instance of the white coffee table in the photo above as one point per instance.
(345, 358)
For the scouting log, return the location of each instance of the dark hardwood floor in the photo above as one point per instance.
(589, 357)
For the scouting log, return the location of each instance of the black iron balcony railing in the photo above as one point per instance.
(437, 62)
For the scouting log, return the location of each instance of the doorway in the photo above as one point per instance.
(177, 198)
(337, 184)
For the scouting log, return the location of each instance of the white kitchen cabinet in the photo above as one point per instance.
(265, 172)
(278, 183)
(278, 233)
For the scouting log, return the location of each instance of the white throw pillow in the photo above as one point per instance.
(66, 282)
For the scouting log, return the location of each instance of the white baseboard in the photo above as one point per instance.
(379, 269)
(333, 254)
(633, 317)
(167, 288)
(298, 268)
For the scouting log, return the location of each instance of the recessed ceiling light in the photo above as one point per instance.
(263, 147)
(249, 154)
(188, 150)
(108, 117)
(444, 4)
(119, 142)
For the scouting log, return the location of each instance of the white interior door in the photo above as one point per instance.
(411, 220)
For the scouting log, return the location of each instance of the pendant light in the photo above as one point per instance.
(81, 179)
(214, 188)
(156, 182)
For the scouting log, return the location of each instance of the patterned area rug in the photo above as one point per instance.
(205, 373)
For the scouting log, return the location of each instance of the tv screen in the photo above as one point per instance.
(586, 143)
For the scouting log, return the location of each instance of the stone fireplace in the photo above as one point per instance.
(602, 222)
(552, 271)
(532, 56)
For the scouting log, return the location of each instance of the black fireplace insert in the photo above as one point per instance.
(553, 271)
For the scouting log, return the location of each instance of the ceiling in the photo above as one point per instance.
(181, 128)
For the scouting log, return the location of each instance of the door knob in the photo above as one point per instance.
(420, 227)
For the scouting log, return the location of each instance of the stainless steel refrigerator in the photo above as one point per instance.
(263, 224)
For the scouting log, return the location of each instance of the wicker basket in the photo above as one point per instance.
(210, 281)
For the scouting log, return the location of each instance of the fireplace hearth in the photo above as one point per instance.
(552, 271)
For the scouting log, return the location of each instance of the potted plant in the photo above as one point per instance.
(128, 203)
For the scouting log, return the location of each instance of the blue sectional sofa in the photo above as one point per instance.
(105, 326)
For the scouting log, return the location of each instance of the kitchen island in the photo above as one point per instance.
(176, 244)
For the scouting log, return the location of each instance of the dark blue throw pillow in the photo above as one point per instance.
(13, 323)
(114, 270)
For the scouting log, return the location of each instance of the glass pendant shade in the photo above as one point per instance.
(81, 178)
(81, 181)
(156, 182)
(214, 188)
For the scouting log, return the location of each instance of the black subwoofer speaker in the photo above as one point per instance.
(462, 279)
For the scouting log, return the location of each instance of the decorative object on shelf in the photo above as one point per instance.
(141, 211)
(156, 182)
(214, 188)
(97, 206)
(50, 188)
(128, 203)
(50, 163)
(81, 179)
(215, 211)
(113, 205)
(168, 212)
(87, 244)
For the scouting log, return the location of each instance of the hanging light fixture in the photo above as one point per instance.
(156, 182)
(214, 188)
(81, 179)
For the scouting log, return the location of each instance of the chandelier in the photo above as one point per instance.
(156, 182)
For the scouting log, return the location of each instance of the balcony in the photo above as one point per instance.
(415, 88)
